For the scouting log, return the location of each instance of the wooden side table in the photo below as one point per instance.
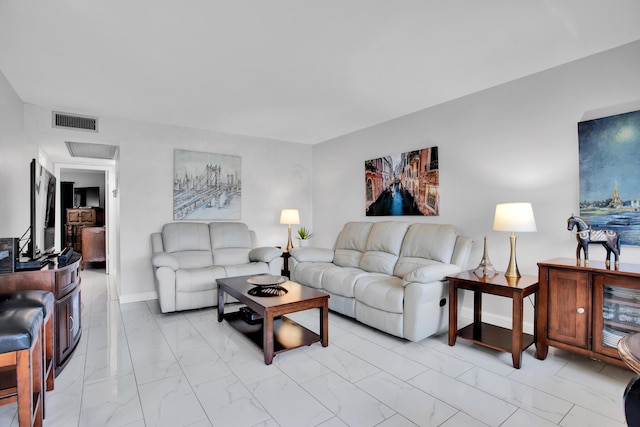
(513, 340)
(285, 263)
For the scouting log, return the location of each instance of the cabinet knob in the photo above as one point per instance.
(580, 310)
(71, 323)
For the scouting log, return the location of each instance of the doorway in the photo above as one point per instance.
(84, 203)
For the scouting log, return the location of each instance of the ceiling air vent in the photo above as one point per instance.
(73, 121)
(92, 151)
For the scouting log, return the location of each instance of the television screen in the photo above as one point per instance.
(43, 211)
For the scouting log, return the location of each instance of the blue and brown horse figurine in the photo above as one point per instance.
(585, 235)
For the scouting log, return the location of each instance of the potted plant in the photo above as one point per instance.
(304, 234)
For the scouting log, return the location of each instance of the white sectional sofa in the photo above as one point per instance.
(388, 275)
(188, 257)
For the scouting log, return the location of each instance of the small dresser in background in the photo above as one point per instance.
(78, 218)
(93, 245)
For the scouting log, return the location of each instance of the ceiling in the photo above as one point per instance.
(296, 70)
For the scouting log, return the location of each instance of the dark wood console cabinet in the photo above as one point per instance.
(586, 310)
(64, 283)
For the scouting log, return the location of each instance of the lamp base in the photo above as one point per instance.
(512, 268)
(289, 243)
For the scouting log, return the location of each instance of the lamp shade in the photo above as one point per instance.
(514, 217)
(289, 216)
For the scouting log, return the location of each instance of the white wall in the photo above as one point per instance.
(514, 142)
(275, 175)
(17, 152)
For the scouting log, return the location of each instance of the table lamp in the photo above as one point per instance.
(289, 216)
(514, 217)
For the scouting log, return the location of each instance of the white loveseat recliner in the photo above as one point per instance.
(188, 257)
(388, 275)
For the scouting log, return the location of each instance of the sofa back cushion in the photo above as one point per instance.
(351, 243)
(230, 242)
(383, 247)
(189, 243)
(433, 242)
(185, 236)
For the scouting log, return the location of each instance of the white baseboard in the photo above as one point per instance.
(143, 296)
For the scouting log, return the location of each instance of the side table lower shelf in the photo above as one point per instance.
(492, 336)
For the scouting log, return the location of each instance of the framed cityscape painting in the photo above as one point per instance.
(206, 186)
(609, 151)
(403, 184)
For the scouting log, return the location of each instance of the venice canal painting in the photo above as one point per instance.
(206, 186)
(609, 150)
(403, 184)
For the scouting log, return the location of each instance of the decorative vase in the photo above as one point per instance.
(303, 242)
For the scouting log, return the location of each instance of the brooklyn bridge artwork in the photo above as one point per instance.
(403, 184)
(206, 186)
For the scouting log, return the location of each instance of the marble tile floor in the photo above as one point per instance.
(137, 367)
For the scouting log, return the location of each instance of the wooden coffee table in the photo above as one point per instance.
(275, 333)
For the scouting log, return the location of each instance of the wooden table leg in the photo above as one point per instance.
(516, 334)
(453, 312)
(477, 314)
(267, 337)
(220, 305)
(324, 323)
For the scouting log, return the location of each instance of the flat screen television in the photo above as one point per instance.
(43, 212)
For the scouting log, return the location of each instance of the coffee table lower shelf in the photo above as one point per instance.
(495, 337)
(287, 334)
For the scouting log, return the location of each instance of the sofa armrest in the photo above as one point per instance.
(164, 259)
(461, 251)
(308, 254)
(156, 243)
(264, 254)
(430, 273)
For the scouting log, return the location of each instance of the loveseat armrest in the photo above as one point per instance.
(430, 273)
(309, 254)
(164, 259)
(264, 254)
(156, 243)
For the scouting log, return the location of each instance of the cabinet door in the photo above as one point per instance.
(88, 216)
(616, 311)
(569, 313)
(68, 325)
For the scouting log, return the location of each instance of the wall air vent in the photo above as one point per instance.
(74, 121)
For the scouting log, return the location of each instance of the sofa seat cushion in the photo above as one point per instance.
(381, 292)
(198, 279)
(246, 269)
(193, 259)
(310, 273)
(231, 256)
(342, 281)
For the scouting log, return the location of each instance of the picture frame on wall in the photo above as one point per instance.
(403, 184)
(609, 153)
(206, 186)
